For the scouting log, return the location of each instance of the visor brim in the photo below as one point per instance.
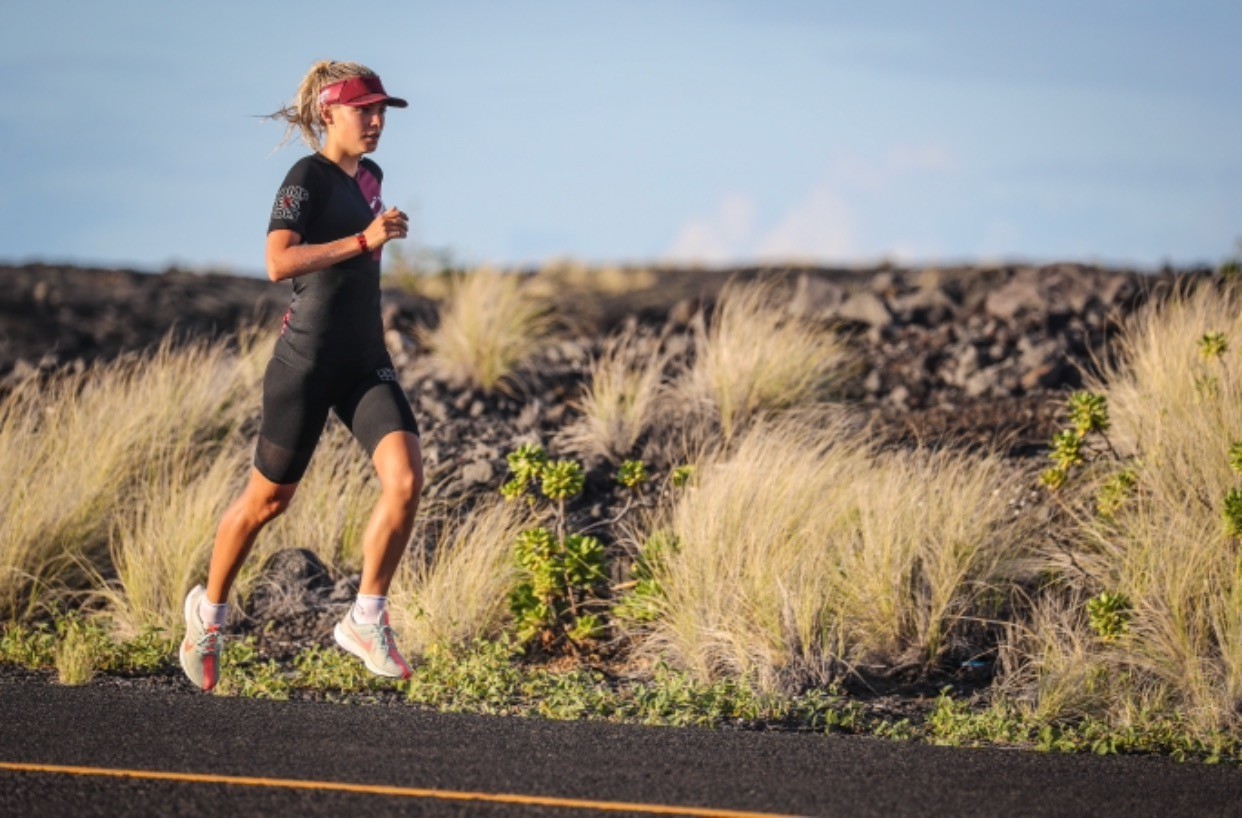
(371, 99)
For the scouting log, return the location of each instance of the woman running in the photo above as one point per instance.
(327, 228)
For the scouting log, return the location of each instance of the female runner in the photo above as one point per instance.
(326, 232)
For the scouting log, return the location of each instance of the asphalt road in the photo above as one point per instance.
(437, 763)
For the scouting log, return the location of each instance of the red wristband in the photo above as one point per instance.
(362, 242)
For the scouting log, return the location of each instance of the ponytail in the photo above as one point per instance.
(303, 113)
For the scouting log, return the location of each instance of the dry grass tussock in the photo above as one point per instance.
(491, 324)
(1050, 667)
(1165, 550)
(161, 540)
(77, 656)
(584, 296)
(799, 552)
(1172, 406)
(580, 281)
(76, 450)
(459, 591)
(120, 476)
(754, 358)
(623, 397)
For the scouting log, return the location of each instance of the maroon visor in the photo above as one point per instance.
(358, 92)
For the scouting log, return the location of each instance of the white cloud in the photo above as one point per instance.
(851, 212)
(722, 236)
(821, 226)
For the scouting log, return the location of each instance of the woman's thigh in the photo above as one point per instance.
(296, 401)
(375, 408)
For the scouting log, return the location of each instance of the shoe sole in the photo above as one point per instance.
(349, 644)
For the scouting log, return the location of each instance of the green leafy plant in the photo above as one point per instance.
(1232, 513)
(1213, 346)
(477, 678)
(334, 671)
(633, 474)
(682, 475)
(1052, 479)
(29, 646)
(587, 627)
(562, 480)
(1114, 492)
(1109, 615)
(247, 674)
(151, 651)
(1088, 412)
(484, 677)
(560, 573)
(1067, 450)
(641, 602)
(559, 576)
(1088, 416)
(40, 646)
(1235, 458)
(526, 465)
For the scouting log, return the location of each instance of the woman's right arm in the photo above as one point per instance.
(287, 257)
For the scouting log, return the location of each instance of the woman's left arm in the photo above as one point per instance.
(287, 257)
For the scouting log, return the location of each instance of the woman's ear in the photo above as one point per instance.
(325, 114)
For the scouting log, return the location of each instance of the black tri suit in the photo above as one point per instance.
(331, 353)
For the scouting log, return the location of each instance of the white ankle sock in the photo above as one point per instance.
(212, 614)
(368, 609)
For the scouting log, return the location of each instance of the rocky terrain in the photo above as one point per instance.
(968, 353)
(965, 356)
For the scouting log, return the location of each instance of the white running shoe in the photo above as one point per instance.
(375, 645)
(200, 650)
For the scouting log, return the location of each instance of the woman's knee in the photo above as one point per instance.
(403, 486)
(398, 460)
(268, 508)
(264, 501)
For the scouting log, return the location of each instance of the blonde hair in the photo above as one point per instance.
(303, 113)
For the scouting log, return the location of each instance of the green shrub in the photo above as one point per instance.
(1109, 615)
(1232, 512)
(30, 646)
(1114, 493)
(243, 672)
(1088, 413)
(560, 573)
(633, 474)
(1213, 346)
(642, 601)
(559, 578)
(1071, 448)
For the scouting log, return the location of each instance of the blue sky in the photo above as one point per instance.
(713, 132)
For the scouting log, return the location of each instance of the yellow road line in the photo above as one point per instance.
(380, 789)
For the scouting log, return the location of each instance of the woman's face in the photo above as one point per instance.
(355, 130)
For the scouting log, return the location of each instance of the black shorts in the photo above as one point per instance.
(296, 400)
